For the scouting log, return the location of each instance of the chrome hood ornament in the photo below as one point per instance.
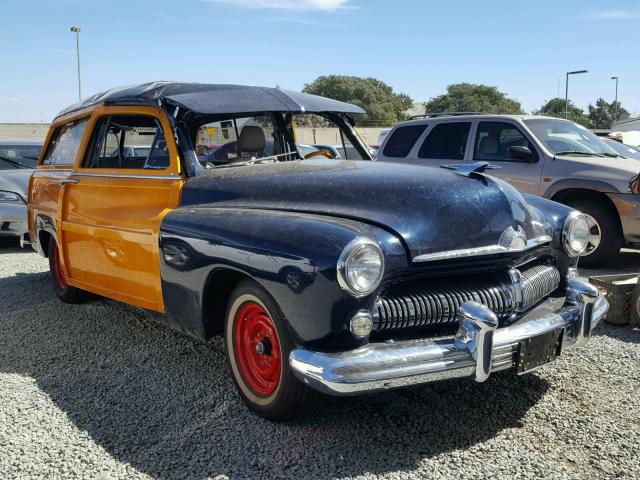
(513, 239)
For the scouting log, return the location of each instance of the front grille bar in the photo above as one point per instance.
(437, 302)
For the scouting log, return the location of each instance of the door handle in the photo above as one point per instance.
(66, 181)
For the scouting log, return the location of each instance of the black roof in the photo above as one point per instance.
(212, 99)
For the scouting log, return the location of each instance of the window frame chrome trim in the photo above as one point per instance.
(480, 251)
(127, 175)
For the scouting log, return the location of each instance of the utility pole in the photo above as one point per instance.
(76, 30)
(566, 92)
(615, 102)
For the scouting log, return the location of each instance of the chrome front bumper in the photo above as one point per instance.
(478, 349)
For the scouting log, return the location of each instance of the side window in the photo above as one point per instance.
(237, 139)
(402, 139)
(64, 144)
(446, 141)
(494, 139)
(128, 142)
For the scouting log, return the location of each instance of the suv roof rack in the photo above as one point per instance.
(446, 114)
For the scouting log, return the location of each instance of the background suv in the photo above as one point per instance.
(545, 156)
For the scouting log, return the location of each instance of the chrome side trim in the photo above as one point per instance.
(127, 175)
(478, 349)
(479, 251)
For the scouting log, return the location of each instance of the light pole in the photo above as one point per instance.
(615, 102)
(566, 92)
(76, 30)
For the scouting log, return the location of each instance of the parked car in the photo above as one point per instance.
(338, 276)
(17, 161)
(545, 156)
(626, 151)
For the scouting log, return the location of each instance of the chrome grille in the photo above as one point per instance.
(436, 301)
(537, 282)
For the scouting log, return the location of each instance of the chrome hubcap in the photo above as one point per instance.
(595, 235)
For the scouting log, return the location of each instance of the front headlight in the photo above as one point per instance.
(576, 234)
(360, 267)
(10, 197)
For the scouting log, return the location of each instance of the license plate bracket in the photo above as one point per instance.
(537, 351)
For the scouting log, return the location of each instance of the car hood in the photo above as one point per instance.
(16, 181)
(615, 171)
(430, 209)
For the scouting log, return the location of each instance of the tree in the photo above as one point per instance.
(383, 105)
(603, 114)
(469, 97)
(556, 108)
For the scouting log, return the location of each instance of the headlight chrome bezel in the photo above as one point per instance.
(352, 248)
(566, 230)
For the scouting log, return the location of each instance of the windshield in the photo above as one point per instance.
(19, 156)
(273, 137)
(563, 137)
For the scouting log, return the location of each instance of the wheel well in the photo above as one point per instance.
(44, 238)
(217, 291)
(565, 196)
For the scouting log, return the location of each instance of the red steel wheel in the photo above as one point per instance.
(257, 348)
(58, 273)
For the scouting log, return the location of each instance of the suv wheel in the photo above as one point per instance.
(606, 239)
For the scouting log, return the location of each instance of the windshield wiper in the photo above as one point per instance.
(577, 152)
(14, 162)
(613, 155)
(253, 161)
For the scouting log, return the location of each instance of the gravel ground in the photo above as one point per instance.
(103, 391)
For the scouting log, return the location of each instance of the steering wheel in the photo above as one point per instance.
(319, 153)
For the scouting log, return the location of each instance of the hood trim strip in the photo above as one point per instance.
(479, 251)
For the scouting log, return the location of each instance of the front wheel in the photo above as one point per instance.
(64, 291)
(258, 347)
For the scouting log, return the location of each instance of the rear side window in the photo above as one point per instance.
(402, 139)
(446, 141)
(64, 144)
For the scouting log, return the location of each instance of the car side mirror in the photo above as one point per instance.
(518, 152)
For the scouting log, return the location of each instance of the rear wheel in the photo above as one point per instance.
(64, 291)
(258, 347)
(606, 238)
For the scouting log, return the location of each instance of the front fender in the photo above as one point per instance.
(293, 256)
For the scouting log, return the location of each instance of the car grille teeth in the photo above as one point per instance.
(411, 304)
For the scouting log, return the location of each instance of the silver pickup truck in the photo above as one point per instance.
(545, 156)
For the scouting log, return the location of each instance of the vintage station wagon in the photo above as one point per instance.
(343, 276)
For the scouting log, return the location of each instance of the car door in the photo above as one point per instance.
(127, 179)
(492, 143)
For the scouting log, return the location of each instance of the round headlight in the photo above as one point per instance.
(576, 234)
(360, 267)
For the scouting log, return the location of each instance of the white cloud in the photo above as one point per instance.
(617, 15)
(317, 5)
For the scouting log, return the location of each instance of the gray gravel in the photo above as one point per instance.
(102, 390)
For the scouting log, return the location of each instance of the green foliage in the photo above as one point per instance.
(556, 108)
(603, 114)
(383, 105)
(469, 97)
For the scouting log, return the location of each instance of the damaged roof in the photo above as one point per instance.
(216, 99)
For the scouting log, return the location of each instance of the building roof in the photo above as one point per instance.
(214, 99)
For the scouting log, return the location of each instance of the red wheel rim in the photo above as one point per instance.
(257, 348)
(58, 273)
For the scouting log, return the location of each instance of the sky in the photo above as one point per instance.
(523, 47)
